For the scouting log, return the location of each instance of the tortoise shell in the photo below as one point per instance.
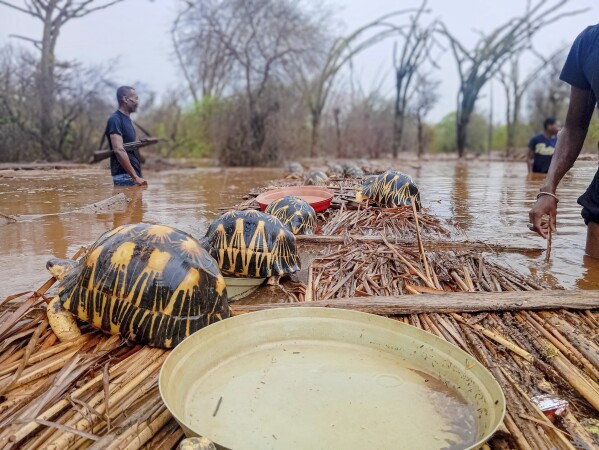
(316, 178)
(151, 283)
(335, 170)
(251, 244)
(351, 170)
(295, 168)
(392, 189)
(295, 213)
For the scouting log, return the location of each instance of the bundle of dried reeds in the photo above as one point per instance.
(96, 391)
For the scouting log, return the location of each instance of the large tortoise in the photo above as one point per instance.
(152, 284)
(390, 189)
(252, 244)
(295, 213)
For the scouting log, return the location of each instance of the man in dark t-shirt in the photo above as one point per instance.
(541, 147)
(581, 72)
(125, 167)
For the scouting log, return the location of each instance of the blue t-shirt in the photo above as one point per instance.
(543, 149)
(581, 69)
(121, 124)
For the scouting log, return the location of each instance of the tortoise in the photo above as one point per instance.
(365, 165)
(316, 178)
(295, 213)
(390, 189)
(294, 170)
(152, 284)
(252, 244)
(335, 170)
(351, 170)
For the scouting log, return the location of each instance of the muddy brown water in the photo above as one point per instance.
(488, 200)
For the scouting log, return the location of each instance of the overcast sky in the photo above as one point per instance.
(137, 33)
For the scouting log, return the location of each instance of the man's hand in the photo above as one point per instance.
(545, 206)
(140, 182)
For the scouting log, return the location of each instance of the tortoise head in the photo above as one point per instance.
(58, 268)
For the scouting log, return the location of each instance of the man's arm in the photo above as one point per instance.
(121, 154)
(569, 143)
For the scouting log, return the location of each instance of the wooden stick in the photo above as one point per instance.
(420, 245)
(309, 287)
(497, 338)
(548, 252)
(438, 245)
(450, 302)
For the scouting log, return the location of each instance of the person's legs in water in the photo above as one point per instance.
(590, 213)
(592, 248)
(123, 179)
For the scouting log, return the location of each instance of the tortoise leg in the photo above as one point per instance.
(62, 322)
(274, 280)
(196, 443)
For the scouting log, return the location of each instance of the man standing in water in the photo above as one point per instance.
(581, 72)
(542, 146)
(125, 167)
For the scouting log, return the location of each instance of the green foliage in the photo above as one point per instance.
(444, 139)
(590, 144)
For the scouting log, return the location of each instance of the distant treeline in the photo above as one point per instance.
(263, 81)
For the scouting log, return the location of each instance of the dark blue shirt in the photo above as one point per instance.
(581, 69)
(543, 149)
(121, 124)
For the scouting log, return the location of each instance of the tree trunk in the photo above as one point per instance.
(45, 83)
(461, 130)
(398, 120)
(420, 135)
(336, 114)
(465, 110)
(315, 121)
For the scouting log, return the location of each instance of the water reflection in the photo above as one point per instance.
(134, 211)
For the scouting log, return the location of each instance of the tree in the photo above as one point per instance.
(253, 42)
(80, 107)
(53, 14)
(425, 98)
(415, 50)
(205, 61)
(515, 88)
(479, 65)
(548, 95)
(316, 77)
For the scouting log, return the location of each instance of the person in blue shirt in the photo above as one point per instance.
(581, 72)
(125, 167)
(541, 147)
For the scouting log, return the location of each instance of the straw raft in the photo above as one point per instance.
(101, 392)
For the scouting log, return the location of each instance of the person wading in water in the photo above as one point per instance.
(125, 167)
(542, 146)
(581, 72)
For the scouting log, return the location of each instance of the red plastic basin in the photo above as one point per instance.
(318, 197)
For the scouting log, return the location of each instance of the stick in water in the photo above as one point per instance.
(548, 252)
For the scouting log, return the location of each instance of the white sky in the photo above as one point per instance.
(137, 32)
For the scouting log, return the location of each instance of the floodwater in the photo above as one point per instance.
(488, 200)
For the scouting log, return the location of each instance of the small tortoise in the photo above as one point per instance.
(150, 283)
(295, 213)
(351, 170)
(316, 178)
(294, 170)
(252, 244)
(335, 170)
(389, 190)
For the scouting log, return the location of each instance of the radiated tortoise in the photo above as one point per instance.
(152, 284)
